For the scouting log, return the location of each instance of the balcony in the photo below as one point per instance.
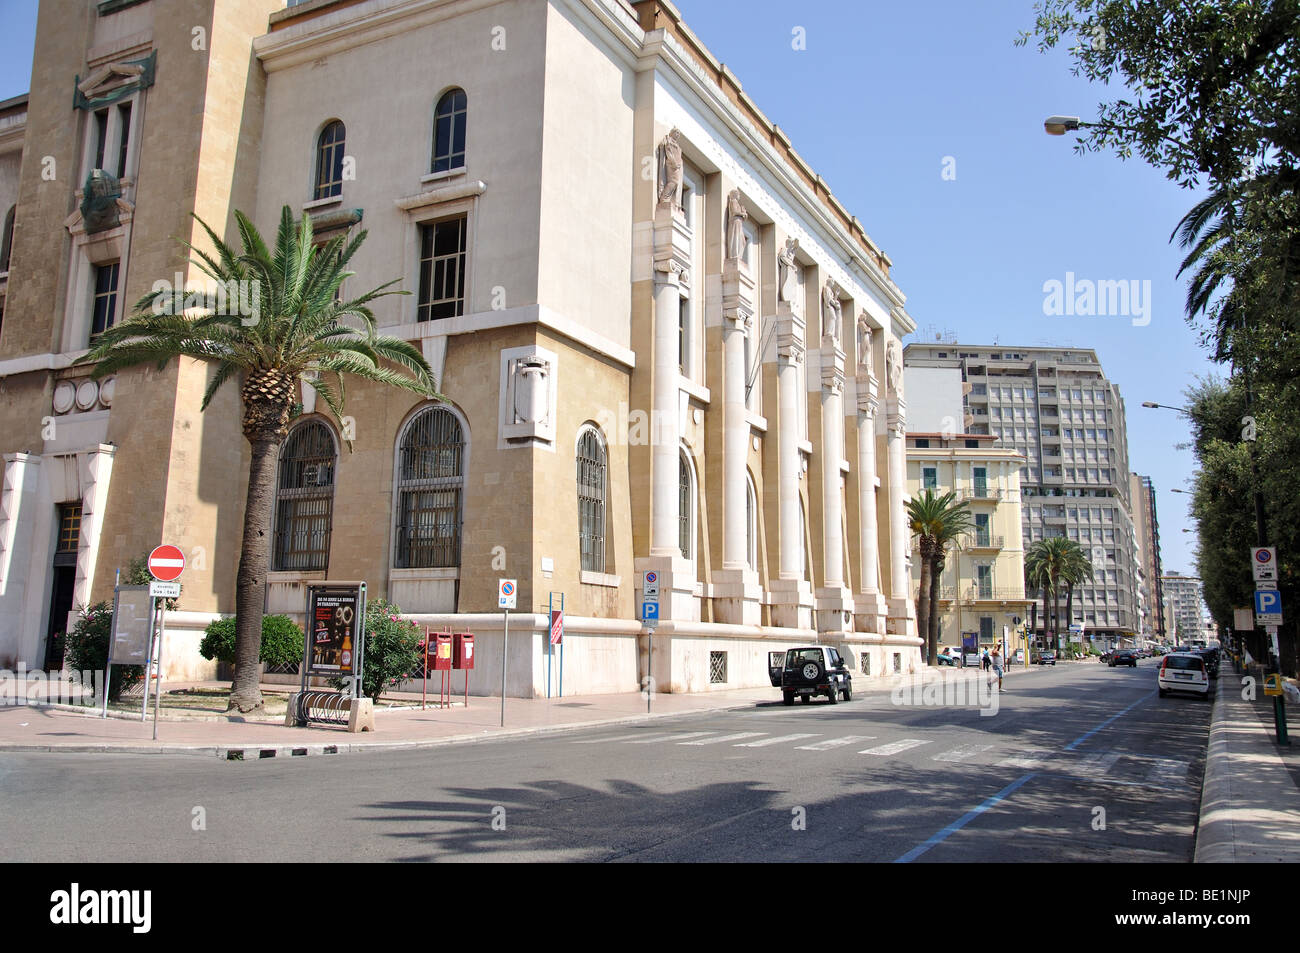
(990, 594)
(983, 542)
(981, 494)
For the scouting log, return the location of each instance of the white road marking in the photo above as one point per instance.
(599, 741)
(774, 741)
(962, 753)
(894, 747)
(1167, 771)
(1095, 765)
(669, 737)
(834, 743)
(736, 737)
(1032, 758)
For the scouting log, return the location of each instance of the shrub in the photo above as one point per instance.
(137, 573)
(394, 649)
(282, 641)
(87, 648)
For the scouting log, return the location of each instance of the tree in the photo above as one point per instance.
(1213, 84)
(1046, 561)
(937, 520)
(294, 327)
(1076, 569)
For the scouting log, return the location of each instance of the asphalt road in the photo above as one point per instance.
(1079, 763)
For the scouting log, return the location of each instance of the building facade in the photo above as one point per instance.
(982, 591)
(665, 345)
(1056, 408)
(1186, 607)
(1146, 528)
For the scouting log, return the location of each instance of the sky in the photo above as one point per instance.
(927, 122)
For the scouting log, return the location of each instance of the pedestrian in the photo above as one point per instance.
(984, 661)
(996, 663)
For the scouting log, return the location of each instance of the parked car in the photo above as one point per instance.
(945, 658)
(1124, 657)
(1046, 658)
(1183, 672)
(1211, 657)
(815, 670)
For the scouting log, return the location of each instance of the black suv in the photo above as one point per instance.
(811, 670)
(1124, 657)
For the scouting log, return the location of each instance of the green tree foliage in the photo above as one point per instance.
(937, 520)
(394, 650)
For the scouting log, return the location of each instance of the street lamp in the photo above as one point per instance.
(1060, 125)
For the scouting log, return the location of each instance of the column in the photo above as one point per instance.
(737, 596)
(871, 608)
(902, 618)
(835, 605)
(792, 596)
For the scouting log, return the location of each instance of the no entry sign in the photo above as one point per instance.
(166, 563)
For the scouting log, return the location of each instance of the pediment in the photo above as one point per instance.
(108, 78)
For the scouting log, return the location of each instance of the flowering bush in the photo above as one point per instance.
(87, 648)
(394, 649)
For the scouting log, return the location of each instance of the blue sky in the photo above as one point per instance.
(878, 101)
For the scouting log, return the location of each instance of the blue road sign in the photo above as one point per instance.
(1268, 607)
(649, 610)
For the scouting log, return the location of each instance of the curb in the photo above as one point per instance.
(1215, 837)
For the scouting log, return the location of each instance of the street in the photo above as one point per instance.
(1080, 763)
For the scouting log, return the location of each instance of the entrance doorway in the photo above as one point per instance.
(65, 577)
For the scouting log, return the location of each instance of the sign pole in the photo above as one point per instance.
(505, 654)
(157, 692)
(148, 660)
(550, 614)
(650, 669)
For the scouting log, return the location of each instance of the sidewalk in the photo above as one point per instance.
(1250, 804)
(43, 728)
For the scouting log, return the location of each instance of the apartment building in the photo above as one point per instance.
(1056, 408)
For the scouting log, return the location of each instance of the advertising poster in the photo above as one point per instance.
(332, 639)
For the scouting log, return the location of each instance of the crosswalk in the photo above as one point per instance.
(1110, 766)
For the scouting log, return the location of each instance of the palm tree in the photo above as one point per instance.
(297, 328)
(1076, 569)
(1045, 561)
(937, 521)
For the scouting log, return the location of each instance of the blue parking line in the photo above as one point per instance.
(1084, 737)
(969, 816)
(962, 821)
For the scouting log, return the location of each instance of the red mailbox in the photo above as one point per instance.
(441, 659)
(463, 650)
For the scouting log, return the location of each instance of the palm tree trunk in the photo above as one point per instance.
(923, 601)
(1069, 611)
(1056, 612)
(250, 583)
(936, 581)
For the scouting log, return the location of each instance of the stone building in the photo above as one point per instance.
(1146, 527)
(665, 344)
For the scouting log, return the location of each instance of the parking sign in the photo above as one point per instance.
(506, 593)
(1268, 607)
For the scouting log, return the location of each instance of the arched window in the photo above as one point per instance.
(430, 491)
(7, 239)
(685, 508)
(592, 467)
(449, 131)
(304, 499)
(329, 161)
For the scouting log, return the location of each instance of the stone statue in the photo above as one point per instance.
(670, 171)
(864, 343)
(785, 270)
(831, 311)
(737, 240)
(894, 368)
